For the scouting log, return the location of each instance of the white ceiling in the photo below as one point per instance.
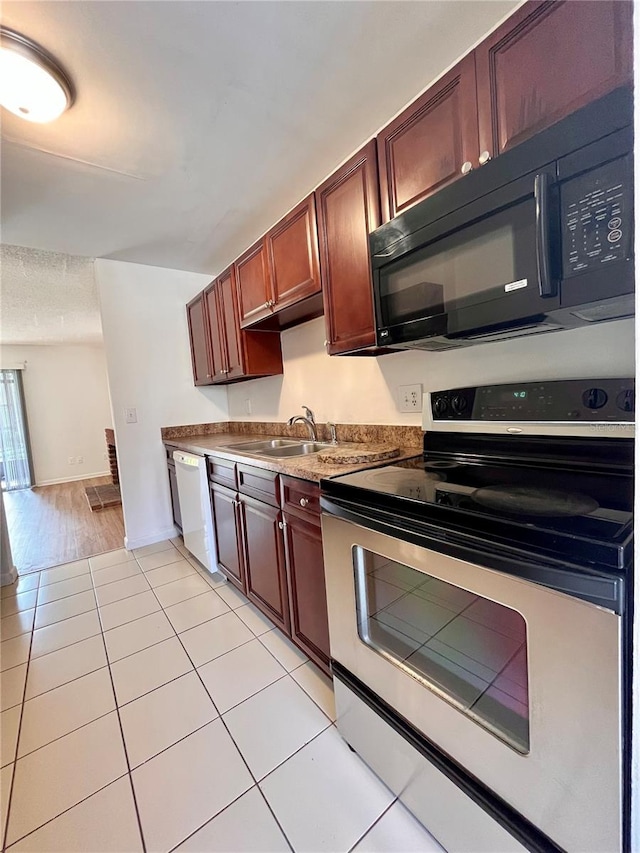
(198, 124)
(48, 298)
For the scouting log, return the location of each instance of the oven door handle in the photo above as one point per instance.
(546, 284)
(598, 588)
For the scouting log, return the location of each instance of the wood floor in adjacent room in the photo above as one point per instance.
(49, 525)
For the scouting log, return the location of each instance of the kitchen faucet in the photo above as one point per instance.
(309, 420)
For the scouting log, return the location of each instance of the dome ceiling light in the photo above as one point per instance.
(33, 86)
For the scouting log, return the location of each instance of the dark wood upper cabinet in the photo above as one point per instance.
(226, 524)
(426, 147)
(232, 354)
(547, 60)
(348, 207)
(266, 577)
(254, 284)
(217, 341)
(292, 247)
(199, 339)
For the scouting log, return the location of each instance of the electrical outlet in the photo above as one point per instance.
(131, 416)
(71, 460)
(410, 398)
(80, 460)
(247, 406)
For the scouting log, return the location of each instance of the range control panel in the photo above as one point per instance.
(577, 400)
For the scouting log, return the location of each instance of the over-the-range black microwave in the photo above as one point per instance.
(537, 240)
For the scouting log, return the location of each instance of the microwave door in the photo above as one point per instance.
(492, 271)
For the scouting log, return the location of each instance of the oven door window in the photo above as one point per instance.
(493, 258)
(468, 649)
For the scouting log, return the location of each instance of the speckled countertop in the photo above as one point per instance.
(210, 439)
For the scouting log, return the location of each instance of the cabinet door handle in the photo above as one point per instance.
(281, 525)
(266, 304)
(304, 502)
(208, 376)
(484, 158)
(467, 166)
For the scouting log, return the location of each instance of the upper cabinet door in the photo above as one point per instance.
(292, 247)
(231, 322)
(426, 147)
(199, 340)
(216, 333)
(348, 209)
(254, 285)
(547, 60)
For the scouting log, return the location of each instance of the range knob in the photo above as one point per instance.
(595, 398)
(440, 406)
(626, 400)
(459, 404)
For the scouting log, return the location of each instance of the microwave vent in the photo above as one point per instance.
(504, 334)
(612, 309)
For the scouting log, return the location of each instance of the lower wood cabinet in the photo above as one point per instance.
(269, 544)
(227, 529)
(307, 592)
(266, 577)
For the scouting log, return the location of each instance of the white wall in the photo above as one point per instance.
(67, 402)
(364, 390)
(149, 367)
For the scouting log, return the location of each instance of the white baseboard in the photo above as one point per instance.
(151, 539)
(72, 479)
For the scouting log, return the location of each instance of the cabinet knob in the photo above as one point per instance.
(304, 502)
(326, 343)
(484, 158)
(266, 304)
(467, 166)
(208, 376)
(281, 525)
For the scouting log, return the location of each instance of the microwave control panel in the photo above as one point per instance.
(596, 219)
(586, 400)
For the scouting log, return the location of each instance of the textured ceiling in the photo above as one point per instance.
(198, 124)
(47, 298)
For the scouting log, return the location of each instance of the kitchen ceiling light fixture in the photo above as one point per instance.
(33, 85)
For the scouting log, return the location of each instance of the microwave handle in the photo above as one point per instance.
(546, 284)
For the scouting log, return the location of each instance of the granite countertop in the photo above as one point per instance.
(307, 467)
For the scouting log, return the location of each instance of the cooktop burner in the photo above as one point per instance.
(523, 503)
(523, 500)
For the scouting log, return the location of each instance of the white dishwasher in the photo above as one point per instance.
(195, 508)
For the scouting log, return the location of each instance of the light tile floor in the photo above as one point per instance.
(146, 705)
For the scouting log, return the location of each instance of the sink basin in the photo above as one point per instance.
(277, 448)
(259, 446)
(295, 450)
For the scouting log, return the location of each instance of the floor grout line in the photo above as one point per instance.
(221, 717)
(124, 742)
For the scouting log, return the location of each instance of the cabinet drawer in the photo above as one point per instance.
(300, 496)
(260, 484)
(222, 471)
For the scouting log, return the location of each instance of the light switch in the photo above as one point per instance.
(131, 416)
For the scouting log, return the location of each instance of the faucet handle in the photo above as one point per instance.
(309, 414)
(332, 432)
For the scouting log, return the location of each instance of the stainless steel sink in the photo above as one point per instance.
(295, 450)
(277, 448)
(259, 446)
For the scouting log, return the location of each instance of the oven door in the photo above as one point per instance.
(517, 683)
(490, 265)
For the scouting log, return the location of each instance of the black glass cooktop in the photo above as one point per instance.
(580, 512)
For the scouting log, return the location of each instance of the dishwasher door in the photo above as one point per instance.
(195, 508)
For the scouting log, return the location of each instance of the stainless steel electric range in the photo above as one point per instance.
(479, 616)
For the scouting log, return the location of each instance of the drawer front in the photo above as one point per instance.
(301, 497)
(222, 471)
(260, 484)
